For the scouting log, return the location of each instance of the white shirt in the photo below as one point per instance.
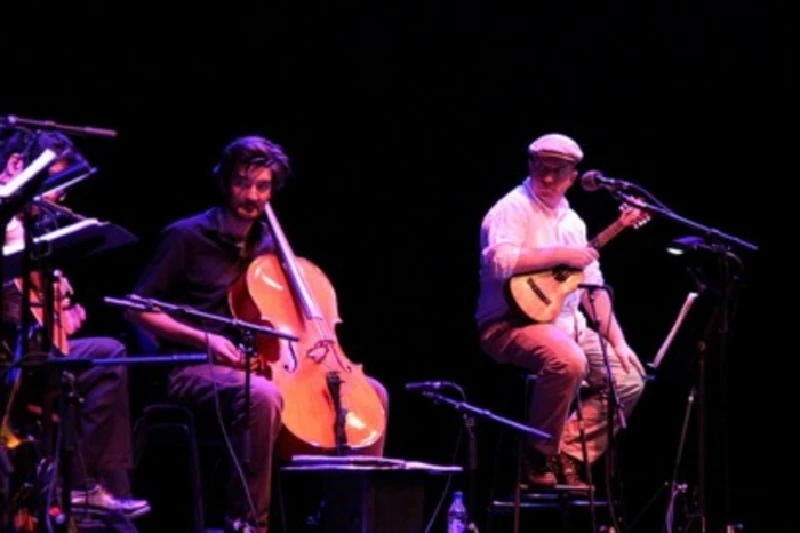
(520, 220)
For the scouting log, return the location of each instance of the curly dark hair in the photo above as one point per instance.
(31, 144)
(14, 140)
(253, 151)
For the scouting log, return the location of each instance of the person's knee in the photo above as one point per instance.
(109, 348)
(569, 361)
(383, 394)
(266, 398)
(631, 386)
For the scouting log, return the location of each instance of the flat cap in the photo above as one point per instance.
(557, 146)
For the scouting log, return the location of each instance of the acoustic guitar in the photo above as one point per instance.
(540, 295)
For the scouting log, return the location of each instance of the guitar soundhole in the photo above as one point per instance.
(561, 274)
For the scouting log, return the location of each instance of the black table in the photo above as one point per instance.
(369, 494)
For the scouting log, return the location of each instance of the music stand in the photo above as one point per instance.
(674, 487)
(86, 238)
(17, 196)
(719, 245)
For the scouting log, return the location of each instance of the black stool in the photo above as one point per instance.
(557, 498)
(170, 425)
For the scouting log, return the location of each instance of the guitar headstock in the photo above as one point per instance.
(631, 216)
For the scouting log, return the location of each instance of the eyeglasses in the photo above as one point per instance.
(558, 171)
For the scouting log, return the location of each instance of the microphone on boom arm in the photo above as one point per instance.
(593, 180)
(433, 386)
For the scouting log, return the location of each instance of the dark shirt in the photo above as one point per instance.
(195, 264)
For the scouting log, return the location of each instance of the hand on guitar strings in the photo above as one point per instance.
(580, 256)
(226, 353)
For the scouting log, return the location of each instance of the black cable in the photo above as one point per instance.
(612, 397)
(237, 465)
(446, 489)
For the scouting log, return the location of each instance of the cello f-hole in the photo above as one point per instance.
(291, 366)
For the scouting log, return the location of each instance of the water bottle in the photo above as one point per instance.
(457, 514)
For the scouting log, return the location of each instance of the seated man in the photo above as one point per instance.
(533, 228)
(196, 263)
(103, 450)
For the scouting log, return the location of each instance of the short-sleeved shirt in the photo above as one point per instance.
(195, 264)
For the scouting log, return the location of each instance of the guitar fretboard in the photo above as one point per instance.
(602, 238)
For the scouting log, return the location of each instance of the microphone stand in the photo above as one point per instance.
(15, 197)
(613, 403)
(14, 120)
(469, 414)
(247, 331)
(719, 244)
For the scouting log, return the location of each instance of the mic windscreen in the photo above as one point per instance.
(590, 180)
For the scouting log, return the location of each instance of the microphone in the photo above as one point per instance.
(593, 180)
(429, 385)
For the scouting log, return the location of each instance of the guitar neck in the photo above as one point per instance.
(605, 236)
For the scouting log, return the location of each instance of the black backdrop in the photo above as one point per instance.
(405, 123)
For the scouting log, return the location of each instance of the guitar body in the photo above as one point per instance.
(540, 295)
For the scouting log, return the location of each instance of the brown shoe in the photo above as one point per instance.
(541, 470)
(569, 473)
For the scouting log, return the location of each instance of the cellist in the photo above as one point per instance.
(103, 420)
(196, 262)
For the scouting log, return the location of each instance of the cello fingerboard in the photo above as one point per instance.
(310, 309)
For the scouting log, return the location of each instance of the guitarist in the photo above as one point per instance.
(103, 450)
(533, 228)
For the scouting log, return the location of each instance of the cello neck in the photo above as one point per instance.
(302, 294)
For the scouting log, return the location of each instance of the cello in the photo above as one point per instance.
(329, 404)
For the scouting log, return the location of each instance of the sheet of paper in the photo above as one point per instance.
(690, 298)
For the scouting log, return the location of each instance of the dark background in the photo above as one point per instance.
(405, 123)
